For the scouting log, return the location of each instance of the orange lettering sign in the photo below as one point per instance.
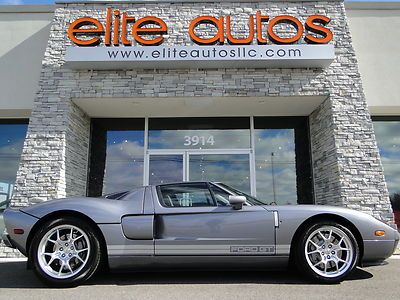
(217, 38)
(288, 20)
(138, 30)
(327, 35)
(87, 31)
(260, 19)
(236, 41)
(125, 20)
(75, 30)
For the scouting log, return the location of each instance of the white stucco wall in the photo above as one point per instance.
(375, 28)
(24, 31)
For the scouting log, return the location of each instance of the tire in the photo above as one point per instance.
(61, 261)
(326, 252)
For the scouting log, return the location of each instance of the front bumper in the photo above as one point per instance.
(379, 250)
(14, 218)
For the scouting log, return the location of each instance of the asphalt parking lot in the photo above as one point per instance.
(379, 282)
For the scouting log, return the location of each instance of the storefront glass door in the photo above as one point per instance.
(166, 168)
(230, 167)
(267, 157)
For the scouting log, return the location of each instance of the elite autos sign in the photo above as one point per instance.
(219, 48)
(117, 24)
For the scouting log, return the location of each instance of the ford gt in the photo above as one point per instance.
(192, 224)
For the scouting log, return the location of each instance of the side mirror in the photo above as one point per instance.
(237, 202)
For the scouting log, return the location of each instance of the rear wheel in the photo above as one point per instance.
(327, 252)
(65, 252)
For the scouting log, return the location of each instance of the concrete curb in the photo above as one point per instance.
(8, 260)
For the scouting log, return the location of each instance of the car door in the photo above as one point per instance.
(189, 221)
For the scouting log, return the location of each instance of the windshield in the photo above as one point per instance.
(250, 199)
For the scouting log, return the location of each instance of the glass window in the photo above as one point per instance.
(165, 168)
(222, 196)
(388, 139)
(199, 133)
(186, 195)
(282, 160)
(276, 165)
(217, 149)
(232, 169)
(12, 136)
(116, 156)
(124, 160)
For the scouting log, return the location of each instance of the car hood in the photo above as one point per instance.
(365, 223)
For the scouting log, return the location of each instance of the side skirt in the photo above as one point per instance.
(147, 263)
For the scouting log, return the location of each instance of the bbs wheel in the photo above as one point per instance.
(327, 252)
(65, 252)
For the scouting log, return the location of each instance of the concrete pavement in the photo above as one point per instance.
(380, 282)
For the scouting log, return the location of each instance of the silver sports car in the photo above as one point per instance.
(200, 224)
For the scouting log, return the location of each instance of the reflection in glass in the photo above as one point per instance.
(388, 139)
(200, 139)
(165, 169)
(275, 166)
(124, 161)
(231, 169)
(11, 142)
(5, 194)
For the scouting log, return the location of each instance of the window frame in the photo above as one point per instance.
(160, 196)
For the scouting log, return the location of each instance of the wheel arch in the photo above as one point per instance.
(328, 217)
(68, 213)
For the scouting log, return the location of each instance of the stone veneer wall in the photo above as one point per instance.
(346, 162)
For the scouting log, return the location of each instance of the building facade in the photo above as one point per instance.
(290, 130)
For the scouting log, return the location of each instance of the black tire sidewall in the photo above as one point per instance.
(300, 256)
(88, 270)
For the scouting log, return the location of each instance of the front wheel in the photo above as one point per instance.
(65, 252)
(327, 252)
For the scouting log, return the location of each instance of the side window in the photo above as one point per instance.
(185, 195)
(220, 196)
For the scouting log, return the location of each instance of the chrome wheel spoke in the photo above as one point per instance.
(323, 237)
(69, 267)
(318, 263)
(330, 235)
(61, 268)
(81, 250)
(78, 257)
(51, 260)
(77, 238)
(341, 260)
(312, 252)
(337, 265)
